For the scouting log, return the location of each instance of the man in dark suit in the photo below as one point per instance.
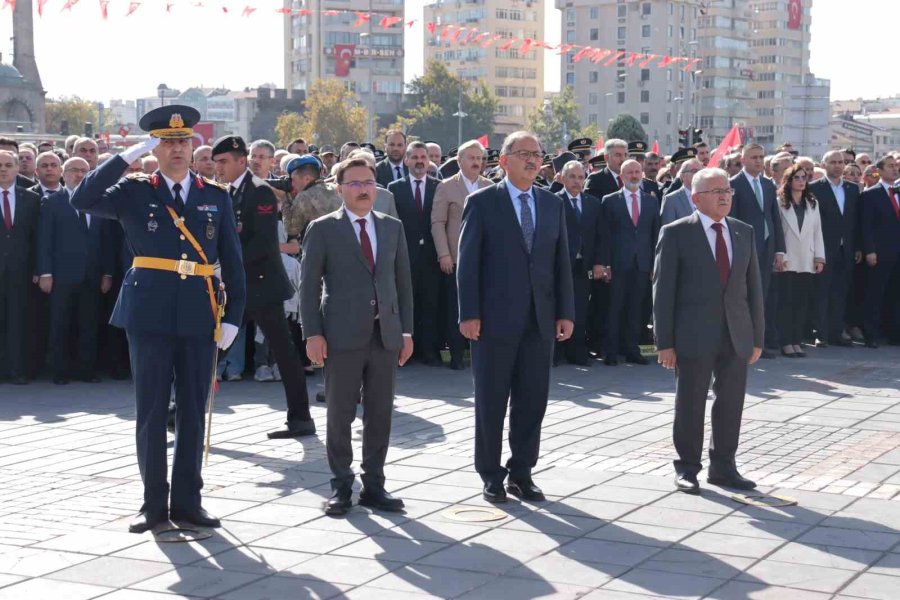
(75, 264)
(49, 174)
(608, 180)
(414, 195)
(18, 233)
(881, 246)
(582, 229)
(708, 321)
(629, 226)
(168, 305)
(839, 212)
(393, 167)
(356, 310)
(515, 299)
(256, 215)
(11, 145)
(755, 204)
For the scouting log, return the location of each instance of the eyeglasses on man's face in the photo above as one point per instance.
(718, 192)
(526, 154)
(359, 185)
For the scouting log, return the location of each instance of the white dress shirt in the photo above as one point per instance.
(629, 200)
(234, 185)
(185, 186)
(751, 179)
(838, 191)
(394, 170)
(12, 202)
(514, 194)
(576, 202)
(711, 235)
(370, 229)
(471, 186)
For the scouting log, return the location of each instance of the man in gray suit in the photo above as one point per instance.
(679, 204)
(708, 319)
(357, 315)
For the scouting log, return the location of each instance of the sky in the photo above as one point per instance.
(123, 57)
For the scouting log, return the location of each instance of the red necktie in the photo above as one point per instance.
(721, 255)
(635, 209)
(7, 211)
(619, 182)
(891, 192)
(418, 195)
(366, 244)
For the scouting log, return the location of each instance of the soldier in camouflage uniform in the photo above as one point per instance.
(314, 200)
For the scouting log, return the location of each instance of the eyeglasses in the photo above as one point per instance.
(720, 192)
(525, 155)
(359, 185)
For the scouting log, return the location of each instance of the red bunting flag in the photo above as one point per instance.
(477, 39)
(331, 13)
(361, 18)
(581, 54)
(132, 6)
(10, 3)
(648, 60)
(445, 31)
(614, 58)
(68, 5)
(41, 4)
(508, 44)
(304, 12)
(632, 56)
(104, 9)
(600, 54)
(224, 9)
(410, 23)
(430, 26)
(566, 48)
(248, 10)
(284, 11)
(526, 46)
(497, 37)
(469, 36)
(691, 64)
(599, 142)
(389, 21)
(455, 37)
(666, 61)
(655, 148)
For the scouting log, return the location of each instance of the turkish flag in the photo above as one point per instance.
(731, 140)
(483, 140)
(795, 14)
(343, 57)
(655, 148)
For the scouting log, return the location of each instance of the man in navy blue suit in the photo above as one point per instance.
(177, 225)
(629, 226)
(881, 245)
(515, 300)
(75, 264)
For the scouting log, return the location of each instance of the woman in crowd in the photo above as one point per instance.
(853, 174)
(804, 257)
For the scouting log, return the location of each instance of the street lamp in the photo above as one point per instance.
(161, 90)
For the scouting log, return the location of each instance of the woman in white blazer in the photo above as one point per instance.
(804, 257)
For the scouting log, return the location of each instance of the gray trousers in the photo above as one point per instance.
(373, 369)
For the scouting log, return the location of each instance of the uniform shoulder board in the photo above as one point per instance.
(138, 177)
(214, 183)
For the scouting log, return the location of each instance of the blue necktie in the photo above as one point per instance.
(527, 222)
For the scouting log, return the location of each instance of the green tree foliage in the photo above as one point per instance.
(436, 96)
(558, 123)
(76, 111)
(332, 115)
(625, 127)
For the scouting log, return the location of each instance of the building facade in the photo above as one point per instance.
(366, 55)
(516, 79)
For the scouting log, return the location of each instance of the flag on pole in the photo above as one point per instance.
(483, 140)
(655, 148)
(731, 140)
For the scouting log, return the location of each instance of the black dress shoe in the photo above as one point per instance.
(871, 344)
(494, 493)
(637, 359)
(687, 483)
(457, 365)
(611, 361)
(320, 396)
(525, 489)
(767, 354)
(731, 479)
(146, 520)
(198, 517)
(60, 381)
(294, 429)
(380, 499)
(340, 502)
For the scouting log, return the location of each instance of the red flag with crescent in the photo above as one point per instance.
(795, 14)
(343, 57)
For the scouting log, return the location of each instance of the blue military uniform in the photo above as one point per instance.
(167, 315)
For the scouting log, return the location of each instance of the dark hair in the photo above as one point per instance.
(348, 164)
(5, 141)
(849, 151)
(392, 132)
(701, 145)
(879, 165)
(784, 192)
(296, 141)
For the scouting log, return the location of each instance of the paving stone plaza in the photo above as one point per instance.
(824, 431)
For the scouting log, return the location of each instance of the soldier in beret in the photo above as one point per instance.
(171, 305)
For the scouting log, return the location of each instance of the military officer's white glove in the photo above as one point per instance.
(229, 332)
(138, 150)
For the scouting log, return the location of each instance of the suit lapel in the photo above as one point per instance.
(790, 216)
(509, 212)
(381, 237)
(703, 244)
(738, 247)
(349, 229)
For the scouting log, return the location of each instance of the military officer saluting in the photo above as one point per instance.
(177, 225)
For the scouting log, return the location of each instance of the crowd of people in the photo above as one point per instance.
(817, 242)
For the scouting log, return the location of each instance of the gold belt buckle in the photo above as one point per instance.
(186, 267)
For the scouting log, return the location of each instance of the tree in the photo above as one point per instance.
(556, 123)
(438, 94)
(76, 112)
(332, 115)
(625, 127)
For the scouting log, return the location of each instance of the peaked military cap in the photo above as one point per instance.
(560, 161)
(635, 148)
(683, 154)
(581, 145)
(172, 122)
(230, 143)
(599, 161)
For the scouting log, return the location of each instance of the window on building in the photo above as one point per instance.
(622, 11)
(645, 96)
(645, 74)
(668, 118)
(570, 36)
(593, 76)
(571, 15)
(670, 30)
(620, 33)
(645, 118)
(592, 118)
(645, 31)
(621, 97)
(570, 78)
(594, 34)
(593, 98)
(595, 12)
(645, 8)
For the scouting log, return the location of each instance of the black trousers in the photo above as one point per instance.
(514, 372)
(155, 360)
(575, 348)
(81, 301)
(770, 293)
(13, 302)
(626, 301)
(373, 368)
(882, 289)
(830, 302)
(426, 280)
(728, 372)
(38, 320)
(598, 307)
(794, 291)
(273, 323)
(455, 339)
